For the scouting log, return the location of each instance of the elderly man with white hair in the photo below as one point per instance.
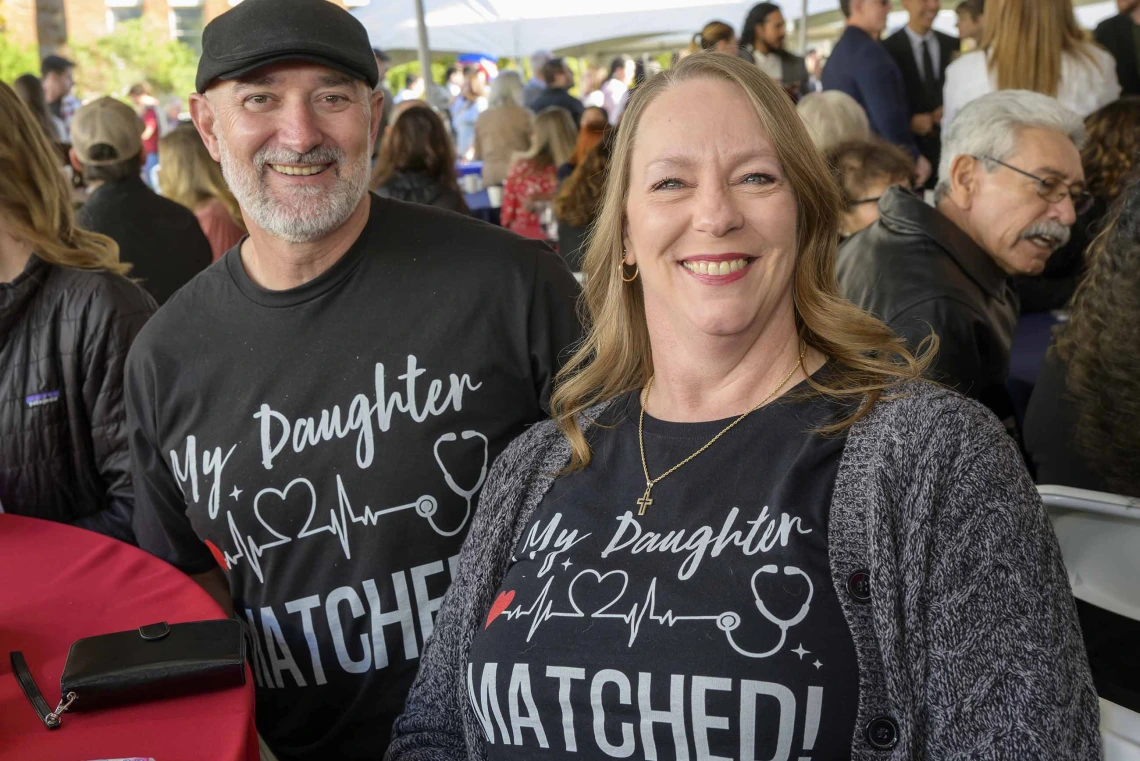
(1010, 186)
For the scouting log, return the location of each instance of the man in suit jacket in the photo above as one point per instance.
(862, 68)
(922, 55)
(763, 35)
(1121, 36)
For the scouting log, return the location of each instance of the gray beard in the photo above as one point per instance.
(303, 215)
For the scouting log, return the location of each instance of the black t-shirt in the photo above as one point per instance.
(324, 446)
(161, 240)
(708, 625)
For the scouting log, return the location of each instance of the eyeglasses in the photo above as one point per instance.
(1053, 189)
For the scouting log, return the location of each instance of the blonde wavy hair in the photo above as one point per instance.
(190, 176)
(616, 357)
(1025, 39)
(554, 139)
(35, 200)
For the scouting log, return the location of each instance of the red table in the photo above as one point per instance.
(59, 583)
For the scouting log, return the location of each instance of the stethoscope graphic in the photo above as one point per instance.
(730, 621)
(467, 494)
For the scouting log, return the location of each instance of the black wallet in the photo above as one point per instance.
(154, 661)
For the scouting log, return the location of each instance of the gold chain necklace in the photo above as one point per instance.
(645, 501)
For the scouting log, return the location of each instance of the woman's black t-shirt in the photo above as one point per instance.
(706, 628)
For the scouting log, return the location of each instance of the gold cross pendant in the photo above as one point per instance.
(645, 501)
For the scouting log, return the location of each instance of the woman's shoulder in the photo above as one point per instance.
(99, 290)
(919, 417)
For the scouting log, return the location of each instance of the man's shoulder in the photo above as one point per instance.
(898, 41)
(945, 39)
(199, 297)
(1114, 25)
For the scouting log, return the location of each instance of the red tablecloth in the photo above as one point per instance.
(59, 583)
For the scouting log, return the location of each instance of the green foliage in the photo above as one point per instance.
(397, 74)
(139, 50)
(15, 59)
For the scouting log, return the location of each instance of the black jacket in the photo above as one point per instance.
(161, 238)
(917, 271)
(416, 187)
(558, 97)
(1117, 36)
(64, 336)
(923, 100)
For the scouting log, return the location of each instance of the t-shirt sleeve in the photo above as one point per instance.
(160, 522)
(554, 327)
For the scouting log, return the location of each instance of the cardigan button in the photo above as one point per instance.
(859, 585)
(882, 733)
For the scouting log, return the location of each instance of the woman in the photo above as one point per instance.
(503, 129)
(615, 91)
(863, 170)
(576, 205)
(31, 91)
(861, 565)
(190, 176)
(833, 117)
(716, 36)
(417, 162)
(1082, 428)
(1033, 45)
(532, 179)
(465, 111)
(594, 125)
(1112, 149)
(67, 319)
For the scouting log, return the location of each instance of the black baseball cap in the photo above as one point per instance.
(256, 33)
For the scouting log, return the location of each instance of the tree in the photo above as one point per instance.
(16, 59)
(139, 50)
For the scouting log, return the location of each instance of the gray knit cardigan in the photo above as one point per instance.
(970, 641)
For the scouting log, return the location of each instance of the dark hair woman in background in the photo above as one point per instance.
(417, 162)
(31, 91)
(67, 319)
(1112, 149)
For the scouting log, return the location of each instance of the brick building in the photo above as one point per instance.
(52, 24)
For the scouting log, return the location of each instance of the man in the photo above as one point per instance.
(1010, 187)
(922, 55)
(971, 24)
(862, 68)
(1121, 36)
(160, 238)
(312, 418)
(413, 88)
(536, 85)
(558, 80)
(763, 34)
(57, 76)
(814, 62)
(146, 106)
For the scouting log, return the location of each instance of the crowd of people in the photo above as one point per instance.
(815, 264)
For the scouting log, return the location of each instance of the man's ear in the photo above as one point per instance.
(376, 106)
(964, 179)
(202, 114)
(73, 159)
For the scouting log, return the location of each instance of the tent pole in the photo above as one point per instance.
(425, 53)
(803, 27)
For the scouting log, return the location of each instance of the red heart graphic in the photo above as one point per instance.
(502, 602)
(218, 556)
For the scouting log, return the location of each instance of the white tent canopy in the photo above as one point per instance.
(516, 28)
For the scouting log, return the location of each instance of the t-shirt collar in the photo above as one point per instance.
(318, 286)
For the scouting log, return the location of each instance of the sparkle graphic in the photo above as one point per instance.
(567, 564)
(801, 652)
(817, 664)
(235, 493)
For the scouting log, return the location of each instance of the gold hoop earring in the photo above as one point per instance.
(621, 269)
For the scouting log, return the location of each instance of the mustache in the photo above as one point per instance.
(1050, 228)
(322, 154)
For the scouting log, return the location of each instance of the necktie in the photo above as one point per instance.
(933, 91)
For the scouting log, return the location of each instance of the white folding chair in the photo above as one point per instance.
(1099, 535)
